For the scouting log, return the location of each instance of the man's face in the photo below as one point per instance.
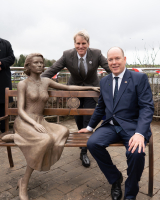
(116, 61)
(81, 45)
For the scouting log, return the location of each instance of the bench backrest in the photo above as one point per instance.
(71, 110)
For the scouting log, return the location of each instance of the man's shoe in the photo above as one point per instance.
(85, 159)
(116, 192)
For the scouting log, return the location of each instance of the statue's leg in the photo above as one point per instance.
(23, 183)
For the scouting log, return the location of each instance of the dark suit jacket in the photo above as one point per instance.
(7, 59)
(70, 61)
(133, 108)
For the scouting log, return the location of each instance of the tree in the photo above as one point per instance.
(21, 61)
(148, 60)
(48, 63)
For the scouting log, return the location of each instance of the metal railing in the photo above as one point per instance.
(63, 76)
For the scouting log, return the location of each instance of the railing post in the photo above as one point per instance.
(58, 107)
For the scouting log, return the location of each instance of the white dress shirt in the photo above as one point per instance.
(114, 82)
(84, 61)
(119, 80)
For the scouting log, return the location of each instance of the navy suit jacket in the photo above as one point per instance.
(133, 109)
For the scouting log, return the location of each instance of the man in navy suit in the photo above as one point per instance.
(126, 100)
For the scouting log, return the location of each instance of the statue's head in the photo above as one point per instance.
(28, 61)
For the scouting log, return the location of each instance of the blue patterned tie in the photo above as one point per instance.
(117, 128)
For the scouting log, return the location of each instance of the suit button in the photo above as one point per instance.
(113, 115)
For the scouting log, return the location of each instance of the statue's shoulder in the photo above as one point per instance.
(45, 79)
(22, 84)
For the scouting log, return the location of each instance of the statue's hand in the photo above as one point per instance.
(40, 128)
(96, 89)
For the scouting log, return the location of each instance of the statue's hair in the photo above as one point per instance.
(118, 48)
(29, 60)
(82, 33)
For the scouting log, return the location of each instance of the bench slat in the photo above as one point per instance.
(67, 111)
(7, 144)
(61, 93)
(76, 134)
(54, 93)
(58, 111)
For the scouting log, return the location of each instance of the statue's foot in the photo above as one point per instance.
(8, 138)
(23, 195)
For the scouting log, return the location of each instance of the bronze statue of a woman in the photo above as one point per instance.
(41, 142)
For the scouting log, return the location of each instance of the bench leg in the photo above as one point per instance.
(10, 157)
(150, 183)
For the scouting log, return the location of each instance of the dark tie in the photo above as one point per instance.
(82, 69)
(116, 125)
(115, 90)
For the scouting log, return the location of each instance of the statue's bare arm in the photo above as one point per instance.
(59, 86)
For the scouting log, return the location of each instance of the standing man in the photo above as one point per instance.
(6, 60)
(126, 100)
(82, 63)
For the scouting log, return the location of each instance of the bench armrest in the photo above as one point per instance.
(2, 118)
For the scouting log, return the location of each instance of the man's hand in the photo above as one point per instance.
(84, 130)
(135, 141)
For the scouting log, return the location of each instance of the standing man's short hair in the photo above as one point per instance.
(82, 33)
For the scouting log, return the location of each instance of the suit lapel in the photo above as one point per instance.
(110, 91)
(89, 61)
(75, 61)
(124, 83)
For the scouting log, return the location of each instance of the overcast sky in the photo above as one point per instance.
(48, 26)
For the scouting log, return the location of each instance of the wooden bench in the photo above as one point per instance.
(74, 139)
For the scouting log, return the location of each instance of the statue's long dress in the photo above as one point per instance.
(41, 150)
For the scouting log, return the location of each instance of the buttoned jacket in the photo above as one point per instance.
(133, 108)
(7, 59)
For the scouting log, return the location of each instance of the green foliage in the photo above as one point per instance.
(20, 62)
(141, 66)
(48, 63)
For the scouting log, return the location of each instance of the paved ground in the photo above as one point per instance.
(69, 180)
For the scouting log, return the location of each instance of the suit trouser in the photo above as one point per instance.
(2, 114)
(97, 144)
(82, 121)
